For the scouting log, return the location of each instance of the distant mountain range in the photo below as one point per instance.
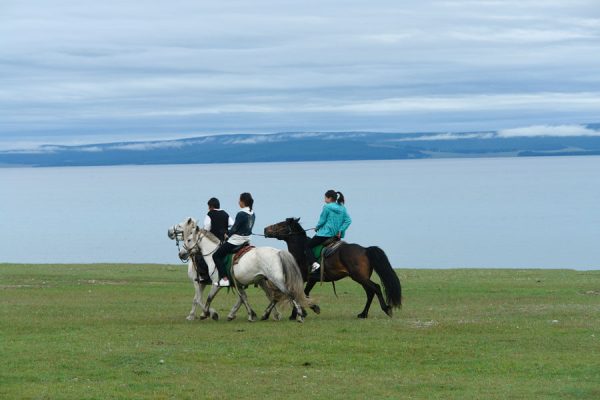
(315, 146)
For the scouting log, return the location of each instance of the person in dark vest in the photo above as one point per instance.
(333, 222)
(238, 234)
(217, 222)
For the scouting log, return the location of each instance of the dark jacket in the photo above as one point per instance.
(219, 222)
(244, 221)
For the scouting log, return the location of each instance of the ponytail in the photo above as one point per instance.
(338, 197)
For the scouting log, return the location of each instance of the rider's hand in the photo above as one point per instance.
(339, 235)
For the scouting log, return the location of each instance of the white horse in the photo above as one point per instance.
(274, 270)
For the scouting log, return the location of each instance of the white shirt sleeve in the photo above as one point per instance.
(207, 223)
(230, 222)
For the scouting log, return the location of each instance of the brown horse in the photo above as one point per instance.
(351, 260)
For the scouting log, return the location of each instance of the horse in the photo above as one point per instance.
(275, 270)
(350, 259)
(175, 233)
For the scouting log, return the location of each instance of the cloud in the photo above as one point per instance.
(144, 146)
(95, 68)
(549, 130)
(448, 136)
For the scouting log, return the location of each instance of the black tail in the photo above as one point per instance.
(391, 283)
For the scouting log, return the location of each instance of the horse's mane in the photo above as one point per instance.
(210, 236)
(295, 225)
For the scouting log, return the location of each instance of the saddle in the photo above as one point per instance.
(243, 249)
(327, 248)
(234, 257)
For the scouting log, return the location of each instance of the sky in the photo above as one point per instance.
(79, 71)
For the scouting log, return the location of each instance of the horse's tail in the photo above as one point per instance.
(293, 279)
(391, 283)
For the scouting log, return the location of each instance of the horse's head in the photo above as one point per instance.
(187, 232)
(284, 229)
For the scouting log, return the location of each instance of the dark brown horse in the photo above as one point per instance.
(351, 260)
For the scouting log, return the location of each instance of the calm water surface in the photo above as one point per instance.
(503, 212)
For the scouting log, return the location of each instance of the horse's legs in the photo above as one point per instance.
(309, 286)
(372, 289)
(207, 311)
(370, 293)
(231, 316)
(196, 302)
(377, 289)
(272, 305)
(268, 310)
(244, 299)
(299, 316)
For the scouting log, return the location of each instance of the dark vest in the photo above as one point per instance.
(219, 221)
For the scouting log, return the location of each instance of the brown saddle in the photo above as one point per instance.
(245, 248)
(330, 246)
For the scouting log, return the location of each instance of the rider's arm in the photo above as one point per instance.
(207, 223)
(236, 224)
(346, 223)
(322, 218)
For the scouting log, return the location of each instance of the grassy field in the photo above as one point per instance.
(119, 332)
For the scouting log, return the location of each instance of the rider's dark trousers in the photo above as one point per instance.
(201, 267)
(219, 257)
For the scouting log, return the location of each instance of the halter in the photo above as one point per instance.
(196, 247)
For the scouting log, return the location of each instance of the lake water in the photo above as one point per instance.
(442, 213)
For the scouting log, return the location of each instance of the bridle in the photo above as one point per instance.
(178, 233)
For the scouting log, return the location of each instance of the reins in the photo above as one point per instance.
(195, 246)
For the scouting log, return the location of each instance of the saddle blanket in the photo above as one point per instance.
(234, 258)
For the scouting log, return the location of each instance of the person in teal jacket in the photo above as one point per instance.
(334, 221)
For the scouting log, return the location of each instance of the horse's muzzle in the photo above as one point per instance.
(184, 255)
(268, 232)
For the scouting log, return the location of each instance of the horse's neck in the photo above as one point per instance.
(206, 245)
(296, 246)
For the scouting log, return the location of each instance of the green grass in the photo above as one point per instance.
(101, 331)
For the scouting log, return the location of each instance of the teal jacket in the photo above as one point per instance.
(334, 218)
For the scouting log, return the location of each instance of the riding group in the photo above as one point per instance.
(219, 255)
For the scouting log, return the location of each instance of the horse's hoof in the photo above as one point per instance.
(203, 316)
(252, 317)
(316, 309)
(300, 319)
(304, 313)
(230, 317)
(276, 317)
(190, 317)
(215, 316)
(264, 317)
(362, 316)
(389, 312)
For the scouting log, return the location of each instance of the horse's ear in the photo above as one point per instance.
(189, 220)
(297, 219)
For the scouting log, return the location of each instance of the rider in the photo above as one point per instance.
(217, 221)
(238, 234)
(334, 221)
